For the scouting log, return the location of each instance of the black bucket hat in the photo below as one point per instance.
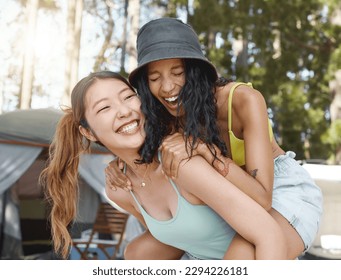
(166, 38)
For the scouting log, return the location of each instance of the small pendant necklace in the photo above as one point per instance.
(143, 184)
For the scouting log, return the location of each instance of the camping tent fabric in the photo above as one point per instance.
(10, 234)
(89, 165)
(32, 125)
(14, 161)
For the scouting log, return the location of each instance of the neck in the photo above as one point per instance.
(140, 171)
(142, 174)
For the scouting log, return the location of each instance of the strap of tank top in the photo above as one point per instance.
(170, 180)
(131, 192)
(230, 102)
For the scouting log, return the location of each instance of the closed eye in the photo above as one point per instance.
(103, 108)
(178, 74)
(153, 78)
(130, 96)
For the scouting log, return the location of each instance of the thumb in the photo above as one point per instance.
(120, 164)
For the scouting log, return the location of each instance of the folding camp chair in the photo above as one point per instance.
(109, 222)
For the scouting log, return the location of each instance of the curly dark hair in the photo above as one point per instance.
(200, 112)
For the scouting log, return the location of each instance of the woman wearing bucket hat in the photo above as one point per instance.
(180, 88)
(105, 109)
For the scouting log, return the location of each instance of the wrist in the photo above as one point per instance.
(202, 150)
(222, 165)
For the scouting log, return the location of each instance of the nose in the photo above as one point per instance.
(167, 85)
(123, 111)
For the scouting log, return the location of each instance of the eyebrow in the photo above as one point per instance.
(99, 101)
(106, 98)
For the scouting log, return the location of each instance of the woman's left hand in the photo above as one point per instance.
(114, 176)
(173, 151)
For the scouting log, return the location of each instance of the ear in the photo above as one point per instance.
(87, 133)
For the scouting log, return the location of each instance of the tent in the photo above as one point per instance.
(25, 136)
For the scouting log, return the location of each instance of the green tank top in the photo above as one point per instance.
(196, 229)
(237, 145)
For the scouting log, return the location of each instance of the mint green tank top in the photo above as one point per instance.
(196, 229)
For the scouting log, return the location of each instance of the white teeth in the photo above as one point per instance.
(128, 128)
(171, 99)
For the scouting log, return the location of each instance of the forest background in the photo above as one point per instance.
(290, 50)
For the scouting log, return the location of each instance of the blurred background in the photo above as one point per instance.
(290, 51)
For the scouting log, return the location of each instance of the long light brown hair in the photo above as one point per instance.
(60, 177)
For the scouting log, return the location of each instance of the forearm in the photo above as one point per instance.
(249, 185)
(240, 211)
(260, 192)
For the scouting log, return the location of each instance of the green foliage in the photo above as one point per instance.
(332, 136)
(290, 121)
(291, 51)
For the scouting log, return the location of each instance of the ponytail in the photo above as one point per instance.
(60, 179)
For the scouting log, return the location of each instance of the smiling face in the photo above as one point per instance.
(114, 116)
(166, 79)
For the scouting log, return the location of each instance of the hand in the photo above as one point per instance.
(174, 151)
(114, 176)
(220, 164)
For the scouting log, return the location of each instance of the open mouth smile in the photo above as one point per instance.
(172, 100)
(129, 128)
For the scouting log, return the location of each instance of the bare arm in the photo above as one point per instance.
(246, 216)
(252, 120)
(174, 153)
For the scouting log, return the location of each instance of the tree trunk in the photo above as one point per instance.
(108, 32)
(335, 107)
(134, 20)
(124, 36)
(335, 86)
(74, 28)
(28, 66)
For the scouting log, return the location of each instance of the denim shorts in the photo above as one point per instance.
(188, 256)
(297, 197)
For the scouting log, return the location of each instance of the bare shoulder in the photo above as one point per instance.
(242, 93)
(122, 198)
(245, 93)
(247, 100)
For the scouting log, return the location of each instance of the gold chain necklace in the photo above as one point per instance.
(143, 184)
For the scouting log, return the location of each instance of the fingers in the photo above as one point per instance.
(178, 157)
(120, 164)
(176, 138)
(109, 184)
(172, 156)
(168, 163)
(223, 167)
(114, 176)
